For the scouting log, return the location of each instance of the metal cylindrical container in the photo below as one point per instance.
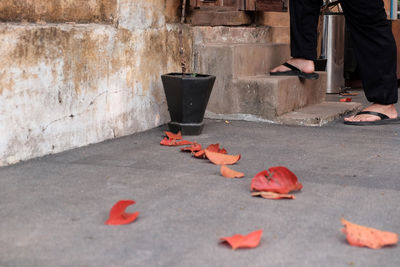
(333, 50)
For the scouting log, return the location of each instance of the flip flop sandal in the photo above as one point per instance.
(294, 71)
(384, 119)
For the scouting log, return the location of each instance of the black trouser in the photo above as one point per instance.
(371, 32)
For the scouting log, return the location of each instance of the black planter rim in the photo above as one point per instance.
(188, 75)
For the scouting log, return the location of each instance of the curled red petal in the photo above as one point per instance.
(170, 135)
(222, 159)
(200, 154)
(173, 142)
(118, 216)
(251, 240)
(215, 148)
(272, 195)
(183, 143)
(346, 99)
(277, 179)
(195, 147)
(229, 173)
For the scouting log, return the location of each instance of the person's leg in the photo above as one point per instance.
(375, 50)
(303, 34)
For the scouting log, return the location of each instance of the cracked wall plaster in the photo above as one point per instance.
(68, 85)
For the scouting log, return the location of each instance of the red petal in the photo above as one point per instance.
(193, 148)
(215, 148)
(346, 99)
(229, 173)
(251, 240)
(177, 136)
(173, 142)
(272, 195)
(183, 143)
(222, 159)
(201, 154)
(279, 180)
(362, 236)
(118, 216)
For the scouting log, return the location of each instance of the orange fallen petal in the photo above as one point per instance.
(251, 240)
(229, 173)
(362, 236)
(193, 148)
(221, 159)
(118, 216)
(346, 99)
(215, 148)
(183, 143)
(272, 195)
(173, 142)
(200, 154)
(170, 135)
(277, 179)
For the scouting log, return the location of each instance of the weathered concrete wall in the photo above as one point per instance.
(67, 85)
(59, 10)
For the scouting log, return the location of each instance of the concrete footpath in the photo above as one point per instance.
(53, 209)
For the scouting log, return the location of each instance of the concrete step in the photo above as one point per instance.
(235, 35)
(278, 24)
(239, 60)
(319, 114)
(273, 19)
(267, 97)
(280, 34)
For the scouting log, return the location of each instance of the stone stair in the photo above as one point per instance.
(241, 58)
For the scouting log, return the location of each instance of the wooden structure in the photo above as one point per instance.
(230, 12)
(243, 5)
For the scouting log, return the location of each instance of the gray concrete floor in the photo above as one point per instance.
(53, 209)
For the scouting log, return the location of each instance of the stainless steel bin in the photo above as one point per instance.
(333, 50)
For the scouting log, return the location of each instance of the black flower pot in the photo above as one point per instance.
(187, 98)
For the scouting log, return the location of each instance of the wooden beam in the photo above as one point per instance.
(271, 5)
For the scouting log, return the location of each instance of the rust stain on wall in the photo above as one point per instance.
(160, 55)
(172, 10)
(124, 55)
(59, 10)
(82, 53)
(6, 82)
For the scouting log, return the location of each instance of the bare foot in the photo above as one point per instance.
(305, 65)
(388, 110)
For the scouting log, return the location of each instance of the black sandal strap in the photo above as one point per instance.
(380, 115)
(290, 66)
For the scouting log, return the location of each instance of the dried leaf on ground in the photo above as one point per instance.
(174, 142)
(195, 147)
(118, 216)
(346, 99)
(221, 159)
(276, 179)
(251, 240)
(170, 135)
(272, 195)
(362, 236)
(229, 173)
